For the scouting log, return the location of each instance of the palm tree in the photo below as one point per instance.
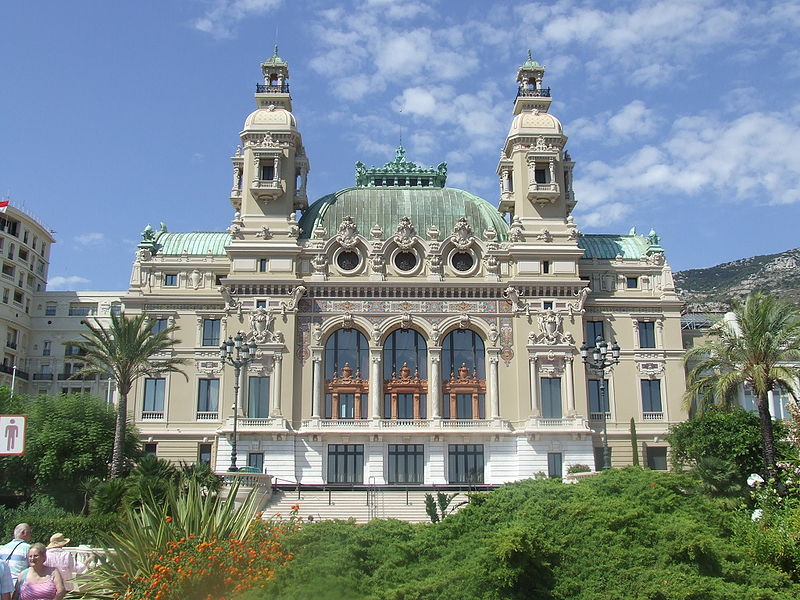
(127, 349)
(760, 348)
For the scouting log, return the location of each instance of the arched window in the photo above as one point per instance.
(405, 375)
(464, 375)
(346, 375)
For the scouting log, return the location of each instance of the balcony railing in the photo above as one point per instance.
(207, 416)
(401, 424)
(152, 415)
(10, 371)
(43, 377)
(598, 416)
(531, 93)
(262, 88)
(558, 423)
(12, 345)
(652, 416)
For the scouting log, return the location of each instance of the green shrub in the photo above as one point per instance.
(578, 468)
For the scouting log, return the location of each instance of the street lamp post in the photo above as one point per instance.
(244, 354)
(603, 356)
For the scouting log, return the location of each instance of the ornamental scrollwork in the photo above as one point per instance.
(346, 235)
(462, 237)
(404, 234)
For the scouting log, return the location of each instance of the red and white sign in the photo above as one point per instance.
(12, 434)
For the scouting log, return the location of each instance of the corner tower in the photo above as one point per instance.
(270, 168)
(535, 170)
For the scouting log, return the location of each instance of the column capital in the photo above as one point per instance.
(316, 354)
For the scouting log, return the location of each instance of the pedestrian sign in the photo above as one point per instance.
(12, 434)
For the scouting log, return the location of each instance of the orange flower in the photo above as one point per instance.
(168, 519)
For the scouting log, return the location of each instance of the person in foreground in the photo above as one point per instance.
(62, 560)
(39, 582)
(15, 552)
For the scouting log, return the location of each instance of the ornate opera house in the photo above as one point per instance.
(403, 331)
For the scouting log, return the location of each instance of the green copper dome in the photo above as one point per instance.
(385, 206)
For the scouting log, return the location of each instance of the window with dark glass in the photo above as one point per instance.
(598, 405)
(464, 376)
(261, 304)
(348, 260)
(406, 463)
(555, 462)
(170, 279)
(262, 265)
(255, 460)
(405, 382)
(211, 332)
(50, 310)
(462, 261)
(158, 325)
(204, 453)
(258, 397)
(594, 329)
(153, 395)
(545, 266)
(346, 375)
(465, 463)
(657, 458)
(541, 175)
(631, 283)
(345, 463)
(150, 448)
(647, 334)
(405, 261)
(651, 395)
(267, 172)
(208, 395)
(551, 397)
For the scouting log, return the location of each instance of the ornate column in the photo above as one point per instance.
(536, 409)
(316, 391)
(635, 324)
(659, 326)
(375, 385)
(494, 382)
(568, 373)
(277, 374)
(435, 382)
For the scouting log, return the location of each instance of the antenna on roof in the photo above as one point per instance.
(401, 128)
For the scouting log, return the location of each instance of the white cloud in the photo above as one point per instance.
(89, 238)
(66, 283)
(702, 155)
(223, 15)
(634, 120)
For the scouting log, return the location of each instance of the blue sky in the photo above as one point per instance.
(682, 115)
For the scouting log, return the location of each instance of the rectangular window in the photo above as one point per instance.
(255, 460)
(211, 332)
(82, 310)
(651, 396)
(207, 395)
(23, 255)
(465, 463)
(154, 396)
(170, 279)
(261, 304)
(345, 463)
(631, 283)
(540, 175)
(545, 266)
(258, 397)
(555, 461)
(150, 448)
(657, 458)
(204, 453)
(594, 329)
(70, 350)
(267, 172)
(262, 265)
(547, 305)
(406, 463)
(647, 334)
(551, 397)
(158, 325)
(598, 406)
(5, 296)
(8, 270)
(347, 406)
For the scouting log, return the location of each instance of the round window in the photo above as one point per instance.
(348, 260)
(405, 261)
(462, 261)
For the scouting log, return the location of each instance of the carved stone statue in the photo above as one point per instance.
(577, 306)
(516, 230)
(195, 279)
(494, 335)
(227, 295)
(404, 235)
(346, 235)
(512, 295)
(462, 237)
(297, 293)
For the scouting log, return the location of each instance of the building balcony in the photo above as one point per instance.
(282, 88)
(560, 425)
(12, 345)
(207, 416)
(8, 369)
(266, 189)
(652, 416)
(598, 416)
(43, 377)
(543, 192)
(506, 201)
(403, 425)
(152, 415)
(531, 93)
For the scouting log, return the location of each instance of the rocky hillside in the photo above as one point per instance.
(713, 288)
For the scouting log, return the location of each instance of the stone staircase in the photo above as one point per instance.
(362, 505)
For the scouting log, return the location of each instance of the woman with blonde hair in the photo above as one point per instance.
(39, 582)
